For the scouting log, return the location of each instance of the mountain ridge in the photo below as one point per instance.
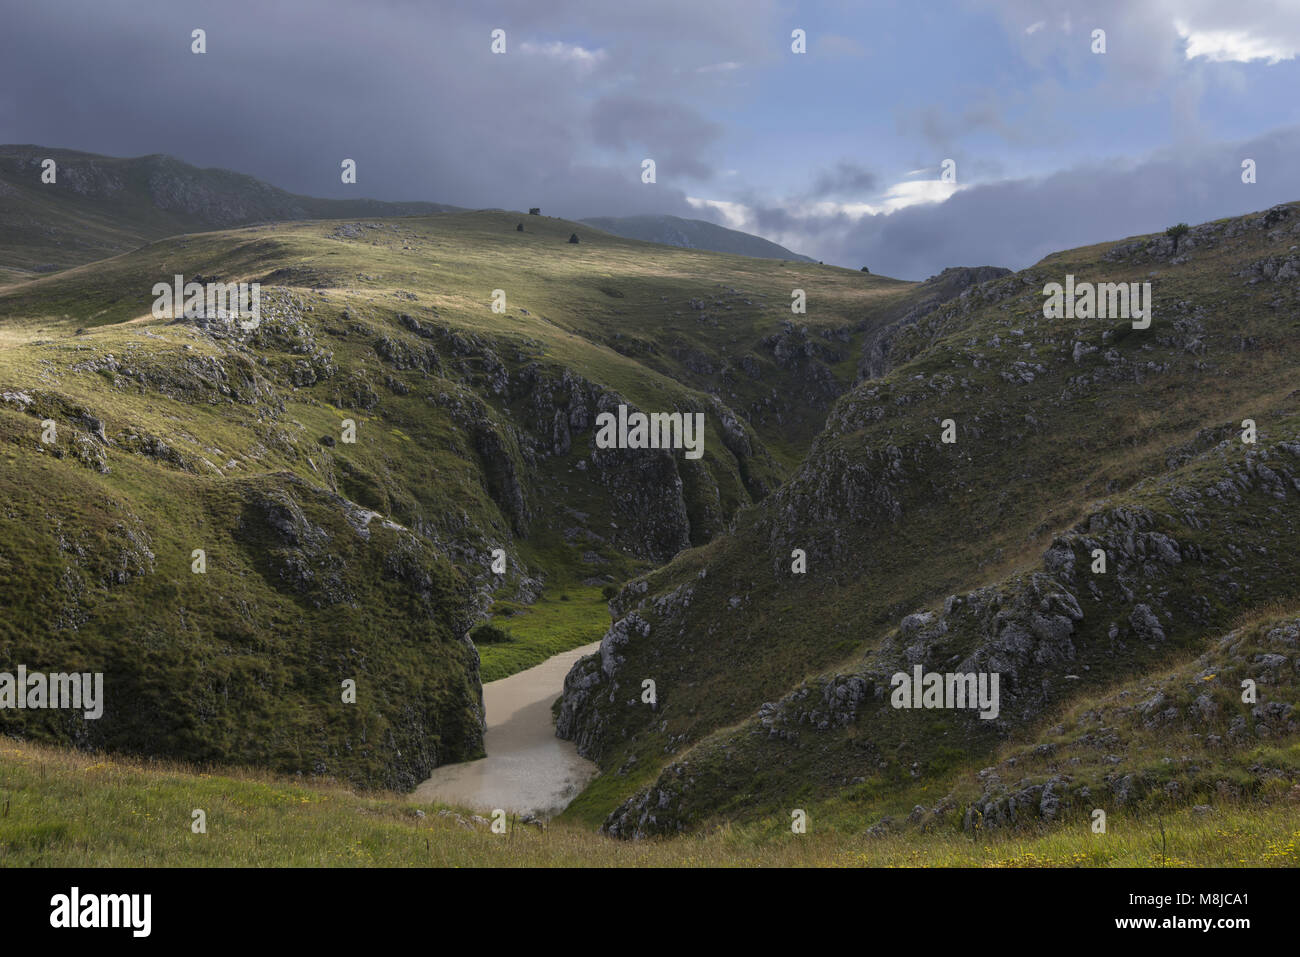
(693, 234)
(100, 206)
(122, 202)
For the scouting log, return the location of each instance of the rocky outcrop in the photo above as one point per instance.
(1094, 765)
(877, 347)
(1037, 631)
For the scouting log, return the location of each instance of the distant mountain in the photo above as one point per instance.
(693, 234)
(100, 206)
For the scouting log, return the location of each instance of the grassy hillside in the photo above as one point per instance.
(68, 809)
(692, 234)
(328, 561)
(975, 556)
(99, 206)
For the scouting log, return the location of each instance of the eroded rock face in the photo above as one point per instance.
(579, 719)
(952, 283)
(660, 501)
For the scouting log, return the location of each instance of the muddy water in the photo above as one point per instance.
(528, 769)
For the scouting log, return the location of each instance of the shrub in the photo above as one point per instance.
(489, 634)
(1176, 233)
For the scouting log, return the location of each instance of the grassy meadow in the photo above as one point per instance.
(67, 809)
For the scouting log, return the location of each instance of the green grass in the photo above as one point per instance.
(574, 617)
(69, 809)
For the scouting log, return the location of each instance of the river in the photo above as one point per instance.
(528, 770)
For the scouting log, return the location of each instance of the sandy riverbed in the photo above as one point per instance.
(528, 769)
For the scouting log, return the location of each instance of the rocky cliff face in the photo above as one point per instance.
(937, 290)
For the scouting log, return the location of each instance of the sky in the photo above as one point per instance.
(835, 152)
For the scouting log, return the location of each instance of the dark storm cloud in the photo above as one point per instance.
(287, 90)
(411, 91)
(1018, 222)
(844, 178)
(671, 134)
(771, 220)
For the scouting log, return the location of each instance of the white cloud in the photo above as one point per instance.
(809, 224)
(1035, 27)
(1240, 46)
(718, 67)
(581, 57)
(914, 192)
(736, 215)
(899, 196)
(1015, 223)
